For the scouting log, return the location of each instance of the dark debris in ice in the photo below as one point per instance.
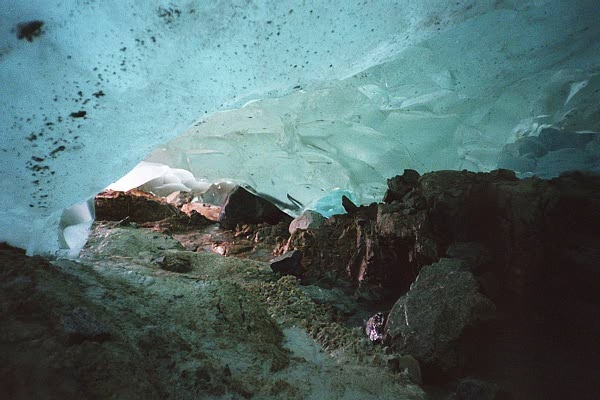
(29, 30)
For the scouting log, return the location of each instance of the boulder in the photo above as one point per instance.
(410, 366)
(134, 205)
(289, 263)
(309, 219)
(441, 304)
(407, 365)
(447, 213)
(179, 198)
(379, 245)
(241, 206)
(348, 205)
(400, 185)
(110, 239)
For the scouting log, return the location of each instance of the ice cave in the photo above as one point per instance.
(287, 97)
(311, 106)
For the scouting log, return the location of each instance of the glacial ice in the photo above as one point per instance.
(299, 99)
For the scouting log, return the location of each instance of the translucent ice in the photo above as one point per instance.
(343, 95)
(331, 203)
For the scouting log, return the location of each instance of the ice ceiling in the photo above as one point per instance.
(305, 98)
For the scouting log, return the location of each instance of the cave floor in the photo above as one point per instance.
(114, 324)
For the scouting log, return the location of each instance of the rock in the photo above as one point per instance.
(373, 294)
(78, 325)
(407, 365)
(176, 261)
(400, 185)
(241, 206)
(375, 246)
(179, 198)
(348, 205)
(289, 263)
(428, 320)
(134, 205)
(406, 243)
(573, 206)
(178, 338)
(211, 212)
(217, 193)
(271, 234)
(30, 29)
(386, 245)
(309, 219)
(375, 327)
(196, 219)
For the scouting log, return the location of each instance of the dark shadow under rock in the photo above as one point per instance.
(335, 298)
(289, 263)
(176, 261)
(475, 389)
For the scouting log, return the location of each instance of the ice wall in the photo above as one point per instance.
(450, 101)
(347, 93)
